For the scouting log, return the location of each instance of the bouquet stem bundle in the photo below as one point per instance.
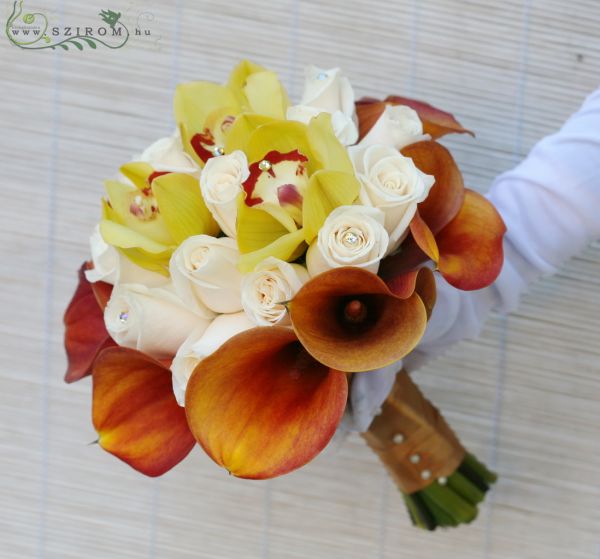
(442, 484)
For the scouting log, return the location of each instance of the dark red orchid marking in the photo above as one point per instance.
(258, 168)
(153, 176)
(227, 123)
(200, 143)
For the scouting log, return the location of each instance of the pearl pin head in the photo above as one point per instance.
(398, 438)
(415, 459)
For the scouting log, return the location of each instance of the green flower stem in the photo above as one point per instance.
(453, 503)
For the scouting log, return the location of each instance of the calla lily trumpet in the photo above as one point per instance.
(348, 319)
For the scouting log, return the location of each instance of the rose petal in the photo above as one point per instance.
(85, 333)
(135, 412)
(424, 237)
(446, 195)
(261, 406)
(390, 329)
(471, 253)
(436, 123)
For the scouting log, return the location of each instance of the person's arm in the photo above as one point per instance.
(551, 206)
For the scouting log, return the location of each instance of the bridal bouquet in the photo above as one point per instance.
(249, 267)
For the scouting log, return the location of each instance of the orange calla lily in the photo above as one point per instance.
(348, 319)
(470, 249)
(471, 253)
(436, 123)
(423, 237)
(261, 406)
(85, 333)
(135, 412)
(455, 227)
(420, 281)
(447, 193)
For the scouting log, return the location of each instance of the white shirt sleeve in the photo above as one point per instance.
(551, 206)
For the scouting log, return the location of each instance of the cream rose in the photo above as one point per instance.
(398, 126)
(167, 154)
(200, 344)
(328, 91)
(152, 320)
(392, 183)
(350, 236)
(204, 273)
(105, 259)
(221, 183)
(265, 290)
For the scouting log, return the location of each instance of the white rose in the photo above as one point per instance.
(221, 182)
(167, 154)
(392, 183)
(152, 320)
(200, 344)
(204, 273)
(328, 91)
(105, 259)
(112, 267)
(350, 236)
(398, 126)
(264, 290)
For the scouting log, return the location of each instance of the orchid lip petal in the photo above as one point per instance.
(288, 195)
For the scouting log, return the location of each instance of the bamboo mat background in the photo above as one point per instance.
(524, 396)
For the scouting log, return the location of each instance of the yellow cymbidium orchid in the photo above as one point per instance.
(204, 111)
(147, 219)
(298, 175)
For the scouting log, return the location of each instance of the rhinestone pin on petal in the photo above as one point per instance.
(265, 165)
(351, 238)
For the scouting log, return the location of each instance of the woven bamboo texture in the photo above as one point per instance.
(524, 396)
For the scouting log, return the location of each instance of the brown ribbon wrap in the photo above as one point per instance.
(412, 439)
